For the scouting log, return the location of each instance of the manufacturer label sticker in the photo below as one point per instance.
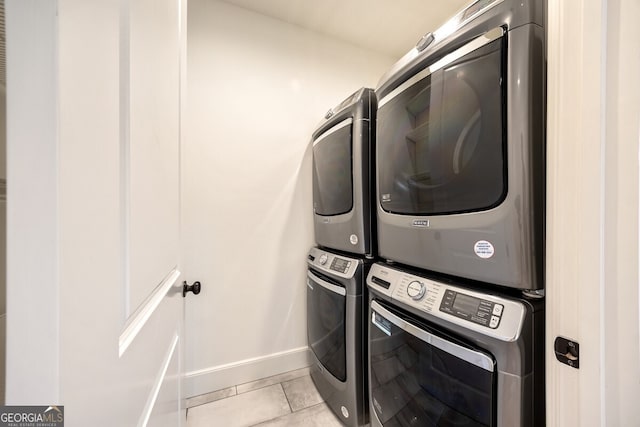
(483, 249)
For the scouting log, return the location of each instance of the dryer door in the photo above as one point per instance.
(326, 303)
(333, 170)
(419, 376)
(441, 138)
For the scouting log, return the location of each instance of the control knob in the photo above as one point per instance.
(323, 259)
(416, 290)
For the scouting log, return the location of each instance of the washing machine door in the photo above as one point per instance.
(420, 376)
(326, 305)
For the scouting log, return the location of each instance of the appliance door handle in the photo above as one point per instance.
(477, 43)
(476, 358)
(333, 129)
(329, 286)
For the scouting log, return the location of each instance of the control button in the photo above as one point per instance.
(497, 309)
(425, 41)
(485, 306)
(323, 259)
(416, 290)
(482, 314)
(494, 322)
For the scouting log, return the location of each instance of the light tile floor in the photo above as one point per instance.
(290, 399)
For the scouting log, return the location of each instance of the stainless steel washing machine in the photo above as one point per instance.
(336, 310)
(444, 355)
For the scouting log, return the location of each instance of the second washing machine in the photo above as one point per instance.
(445, 355)
(336, 310)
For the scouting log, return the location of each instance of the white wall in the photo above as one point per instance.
(592, 216)
(3, 238)
(256, 89)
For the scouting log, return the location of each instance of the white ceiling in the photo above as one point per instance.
(389, 26)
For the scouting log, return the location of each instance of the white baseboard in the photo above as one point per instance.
(215, 378)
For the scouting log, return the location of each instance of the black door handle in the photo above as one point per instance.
(195, 288)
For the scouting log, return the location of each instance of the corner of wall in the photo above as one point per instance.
(219, 377)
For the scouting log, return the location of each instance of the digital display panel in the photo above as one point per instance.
(466, 304)
(340, 265)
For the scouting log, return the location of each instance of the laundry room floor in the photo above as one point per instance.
(289, 399)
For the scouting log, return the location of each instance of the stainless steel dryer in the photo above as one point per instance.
(343, 180)
(336, 331)
(443, 355)
(460, 148)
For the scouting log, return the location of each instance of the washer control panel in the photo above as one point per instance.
(337, 265)
(486, 313)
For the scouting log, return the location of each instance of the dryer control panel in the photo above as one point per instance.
(486, 313)
(337, 265)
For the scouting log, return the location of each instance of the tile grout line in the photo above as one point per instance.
(235, 389)
(279, 416)
(300, 375)
(237, 392)
(206, 402)
(286, 397)
(287, 415)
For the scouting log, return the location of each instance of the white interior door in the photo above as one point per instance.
(95, 306)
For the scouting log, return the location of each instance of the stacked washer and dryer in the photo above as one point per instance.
(425, 293)
(456, 313)
(344, 225)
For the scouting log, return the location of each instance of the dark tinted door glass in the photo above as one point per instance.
(325, 328)
(415, 383)
(440, 141)
(332, 175)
